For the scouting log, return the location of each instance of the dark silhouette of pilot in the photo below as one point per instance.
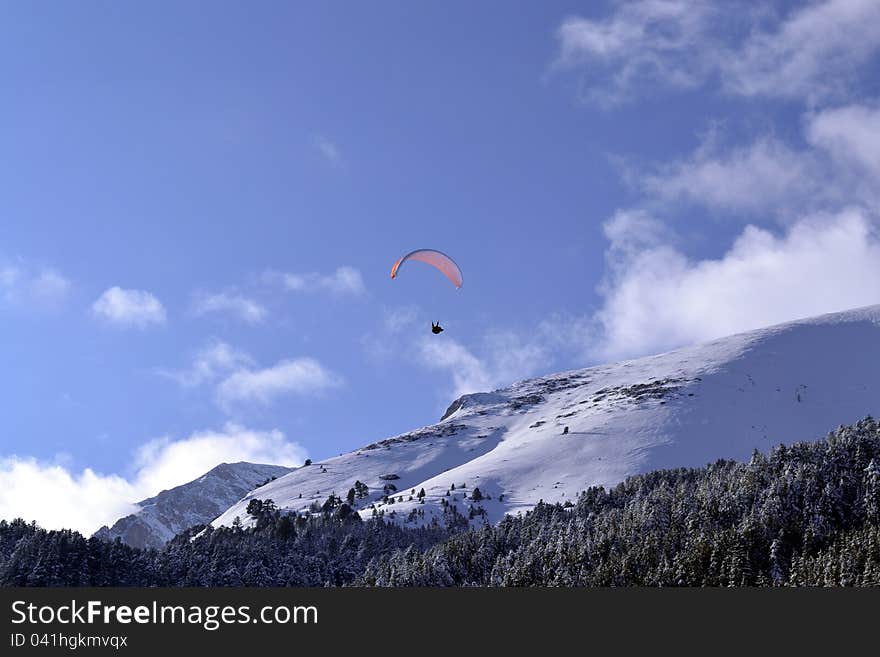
(435, 328)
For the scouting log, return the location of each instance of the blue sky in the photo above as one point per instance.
(199, 208)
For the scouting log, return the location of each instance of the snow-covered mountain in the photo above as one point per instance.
(551, 437)
(162, 517)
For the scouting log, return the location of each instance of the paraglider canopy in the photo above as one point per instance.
(434, 258)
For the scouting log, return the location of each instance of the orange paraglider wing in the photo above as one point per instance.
(436, 259)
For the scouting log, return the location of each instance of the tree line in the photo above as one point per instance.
(807, 514)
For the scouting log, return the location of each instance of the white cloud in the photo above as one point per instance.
(513, 357)
(49, 285)
(210, 363)
(815, 51)
(328, 150)
(136, 308)
(840, 163)
(345, 280)
(765, 175)
(57, 497)
(631, 232)
(656, 298)
(569, 338)
(24, 286)
(300, 376)
(469, 373)
(377, 345)
(164, 463)
(504, 358)
(646, 41)
(399, 318)
(241, 306)
(851, 134)
(239, 380)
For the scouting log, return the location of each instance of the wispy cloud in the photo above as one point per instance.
(469, 373)
(344, 281)
(57, 497)
(501, 358)
(398, 318)
(837, 163)
(299, 376)
(24, 286)
(851, 134)
(813, 52)
(641, 45)
(135, 308)
(245, 308)
(239, 381)
(210, 363)
(329, 150)
(383, 343)
(763, 176)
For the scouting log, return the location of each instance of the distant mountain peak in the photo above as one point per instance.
(166, 514)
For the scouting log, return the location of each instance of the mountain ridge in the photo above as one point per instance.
(687, 407)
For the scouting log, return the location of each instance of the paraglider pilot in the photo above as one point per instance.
(436, 328)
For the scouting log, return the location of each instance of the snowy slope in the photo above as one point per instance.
(684, 408)
(161, 517)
